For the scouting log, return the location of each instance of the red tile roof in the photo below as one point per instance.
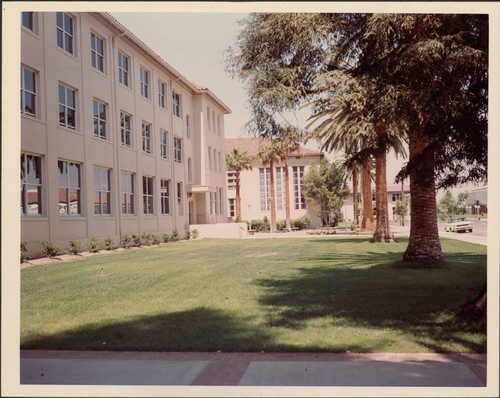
(251, 146)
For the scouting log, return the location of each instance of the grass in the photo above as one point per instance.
(312, 294)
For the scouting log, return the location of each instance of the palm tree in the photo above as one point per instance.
(268, 154)
(238, 161)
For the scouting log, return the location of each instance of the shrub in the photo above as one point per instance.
(93, 244)
(146, 239)
(195, 233)
(125, 240)
(156, 239)
(25, 252)
(187, 235)
(300, 223)
(175, 235)
(74, 246)
(109, 243)
(280, 225)
(166, 238)
(49, 249)
(260, 225)
(137, 240)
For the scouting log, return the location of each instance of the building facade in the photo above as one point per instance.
(477, 201)
(394, 193)
(113, 139)
(255, 190)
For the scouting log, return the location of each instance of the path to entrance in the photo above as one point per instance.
(252, 369)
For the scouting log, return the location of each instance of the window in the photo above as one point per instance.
(28, 20)
(298, 174)
(179, 199)
(397, 196)
(219, 127)
(100, 117)
(209, 158)
(127, 189)
(188, 126)
(213, 121)
(163, 144)
(215, 160)
(220, 201)
(146, 137)
(148, 195)
(211, 203)
(126, 132)
(190, 170)
(69, 188)
(145, 83)
(216, 202)
(97, 52)
(280, 187)
(231, 179)
(232, 212)
(123, 69)
(176, 104)
(31, 185)
(28, 91)
(265, 188)
(162, 100)
(220, 161)
(178, 149)
(208, 119)
(165, 196)
(67, 107)
(65, 32)
(102, 191)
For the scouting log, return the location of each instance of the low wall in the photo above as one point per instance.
(229, 230)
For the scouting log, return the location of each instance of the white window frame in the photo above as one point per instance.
(180, 199)
(25, 91)
(126, 132)
(66, 106)
(145, 83)
(162, 98)
(100, 119)
(299, 198)
(148, 196)
(101, 191)
(165, 197)
(176, 104)
(123, 70)
(27, 185)
(31, 17)
(188, 126)
(190, 170)
(95, 55)
(68, 188)
(232, 207)
(66, 35)
(164, 144)
(209, 125)
(178, 155)
(127, 193)
(210, 158)
(147, 146)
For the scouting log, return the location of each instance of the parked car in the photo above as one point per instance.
(460, 224)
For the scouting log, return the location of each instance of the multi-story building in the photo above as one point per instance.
(255, 189)
(113, 139)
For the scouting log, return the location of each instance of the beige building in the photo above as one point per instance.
(113, 139)
(255, 184)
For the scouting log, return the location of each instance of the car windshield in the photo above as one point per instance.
(461, 219)
(451, 220)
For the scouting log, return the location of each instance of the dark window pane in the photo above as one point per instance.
(23, 205)
(74, 195)
(68, 24)
(60, 20)
(74, 175)
(62, 94)
(71, 118)
(70, 97)
(63, 201)
(97, 205)
(29, 103)
(63, 173)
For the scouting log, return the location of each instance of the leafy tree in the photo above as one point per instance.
(324, 184)
(401, 209)
(237, 161)
(448, 203)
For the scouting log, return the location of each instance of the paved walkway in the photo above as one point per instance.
(251, 369)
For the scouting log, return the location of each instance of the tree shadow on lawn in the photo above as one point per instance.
(370, 290)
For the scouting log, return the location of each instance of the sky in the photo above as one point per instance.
(198, 54)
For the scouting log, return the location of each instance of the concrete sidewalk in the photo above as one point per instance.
(251, 369)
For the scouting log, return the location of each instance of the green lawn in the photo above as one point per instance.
(255, 295)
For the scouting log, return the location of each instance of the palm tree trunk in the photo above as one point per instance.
(424, 245)
(287, 195)
(367, 222)
(273, 199)
(355, 195)
(238, 198)
(382, 230)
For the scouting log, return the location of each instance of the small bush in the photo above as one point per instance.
(93, 244)
(109, 243)
(74, 246)
(25, 252)
(137, 240)
(156, 239)
(146, 239)
(300, 223)
(280, 225)
(187, 235)
(125, 240)
(166, 238)
(175, 235)
(195, 233)
(49, 249)
(260, 225)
